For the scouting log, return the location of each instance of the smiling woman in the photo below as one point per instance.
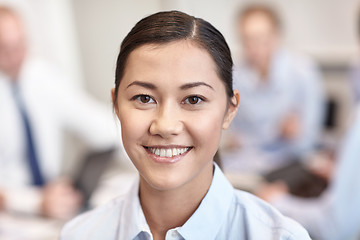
(173, 96)
(178, 86)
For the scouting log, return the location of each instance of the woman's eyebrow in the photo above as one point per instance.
(182, 87)
(142, 84)
(195, 84)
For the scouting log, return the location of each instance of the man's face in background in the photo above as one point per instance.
(12, 45)
(259, 37)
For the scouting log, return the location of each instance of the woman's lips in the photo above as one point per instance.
(167, 154)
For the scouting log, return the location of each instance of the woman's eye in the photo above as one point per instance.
(144, 99)
(193, 100)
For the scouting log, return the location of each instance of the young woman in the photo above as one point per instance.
(173, 96)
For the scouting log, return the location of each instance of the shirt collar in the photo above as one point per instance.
(133, 214)
(206, 221)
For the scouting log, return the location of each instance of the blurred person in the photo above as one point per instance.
(355, 71)
(1, 201)
(280, 116)
(36, 105)
(173, 96)
(335, 215)
(355, 82)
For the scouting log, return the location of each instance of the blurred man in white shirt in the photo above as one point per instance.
(36, 106)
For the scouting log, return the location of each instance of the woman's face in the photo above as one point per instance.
(172, 107)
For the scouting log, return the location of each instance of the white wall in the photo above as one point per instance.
(101, 26)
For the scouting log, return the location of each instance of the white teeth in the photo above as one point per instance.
(162, 152)
(168, 152)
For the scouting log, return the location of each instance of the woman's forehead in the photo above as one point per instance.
(174, 60)
(176, 50)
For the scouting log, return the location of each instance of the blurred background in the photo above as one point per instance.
(82, 39)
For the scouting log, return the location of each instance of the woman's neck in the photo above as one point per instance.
(167, 209)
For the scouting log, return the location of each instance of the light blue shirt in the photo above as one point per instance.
(224, 214)
(293, 86)
(336, 214)
(355, 81)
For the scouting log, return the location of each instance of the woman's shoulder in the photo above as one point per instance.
(261, 218)
(95, 223)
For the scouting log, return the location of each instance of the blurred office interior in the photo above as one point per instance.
(82, 37)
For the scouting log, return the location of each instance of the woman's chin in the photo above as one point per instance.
(165, 183)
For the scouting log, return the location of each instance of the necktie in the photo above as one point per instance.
(31, 154)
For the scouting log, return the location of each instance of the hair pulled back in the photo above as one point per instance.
(166, 27)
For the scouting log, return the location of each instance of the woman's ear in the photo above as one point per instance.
(232, 109)
(115, 105)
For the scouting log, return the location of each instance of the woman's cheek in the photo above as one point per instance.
(206, 127)
(134, 123)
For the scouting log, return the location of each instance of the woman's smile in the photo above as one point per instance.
(167, 154)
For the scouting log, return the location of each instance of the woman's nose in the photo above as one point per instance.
(166, 122)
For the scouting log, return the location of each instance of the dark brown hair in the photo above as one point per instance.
(165, 27)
